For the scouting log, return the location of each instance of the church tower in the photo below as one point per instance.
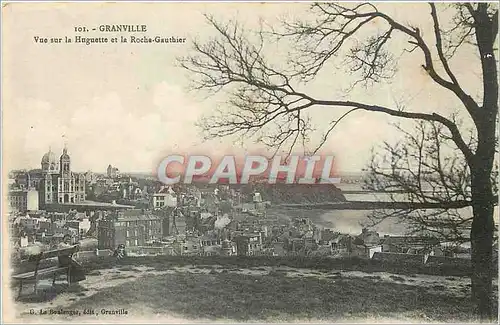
(65, 163)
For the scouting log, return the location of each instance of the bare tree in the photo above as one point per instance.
(425, 168)
(268, 103)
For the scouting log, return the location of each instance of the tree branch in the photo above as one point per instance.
(408, 115)
(439, 45)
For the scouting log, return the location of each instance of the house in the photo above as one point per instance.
(112, 172)
(131, 227)
(166, 216)
(215, 250)
(210, 202)
(28, 223)
(23, 241)
(165, 197)
(371, 250)
(324, 250)
(188, 246)
(279, 249)
(295, 245)
(248, 244)
(310, 243)
(44, 225)
(341, 243)
(81, 226)
(23, 200)
(369, 237)
(210, 240)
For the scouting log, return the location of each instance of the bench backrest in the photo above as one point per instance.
(67, 251)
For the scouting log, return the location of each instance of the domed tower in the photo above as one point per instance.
(49, 163)
(65, 163)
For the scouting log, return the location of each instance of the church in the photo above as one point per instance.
(58, 183)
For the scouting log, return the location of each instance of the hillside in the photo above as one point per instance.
(149, 288)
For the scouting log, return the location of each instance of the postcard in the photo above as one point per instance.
(170, 162)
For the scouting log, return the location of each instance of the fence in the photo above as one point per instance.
(93, 253)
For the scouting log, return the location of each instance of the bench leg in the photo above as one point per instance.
(54, 279)
(35, 287)
(20, 289)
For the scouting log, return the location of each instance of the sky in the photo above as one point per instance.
(129, 105)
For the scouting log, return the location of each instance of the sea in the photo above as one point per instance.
(353, 221)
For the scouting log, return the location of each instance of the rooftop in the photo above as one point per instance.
(138, 218)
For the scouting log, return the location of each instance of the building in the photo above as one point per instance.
(167, 220)
(23, 200)
(131, 228)
(228, 248)
(112, 172)
(27, 223)
(165, 197)
(60, 184)
(369, 237)
(248, 244)
(189, 246)
(90, 177)
(28, 179)
(82, 226)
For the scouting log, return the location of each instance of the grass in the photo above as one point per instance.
(277, 298)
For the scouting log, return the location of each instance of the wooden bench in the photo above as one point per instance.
(37, 273)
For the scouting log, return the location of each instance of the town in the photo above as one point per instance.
(104, 211)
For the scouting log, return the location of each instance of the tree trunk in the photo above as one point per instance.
(481, 167)
(483, 225)
(482, 259)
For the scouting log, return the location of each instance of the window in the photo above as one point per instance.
(135, 232)
(136, 242)
(128, 233)
(127, 243)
